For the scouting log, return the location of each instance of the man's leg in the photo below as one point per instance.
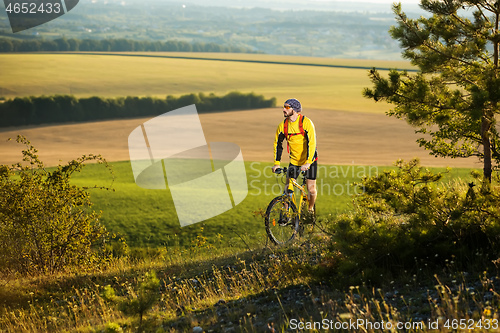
(311, 189)
(311, 184)
(289, 186)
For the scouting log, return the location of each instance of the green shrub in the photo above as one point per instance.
(112, 328)
(46, 224)
(142, 298)
(409, 217)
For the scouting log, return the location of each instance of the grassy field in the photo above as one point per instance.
(112, 75)
(350, 142)
(147, 218)
(234, 283)
(218, 274)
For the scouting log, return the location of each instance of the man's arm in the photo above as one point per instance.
(278, 146)
(310, 136)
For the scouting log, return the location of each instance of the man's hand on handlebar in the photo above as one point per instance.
(279, 170)
(275, 167)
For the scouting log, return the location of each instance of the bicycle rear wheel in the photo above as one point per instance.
(282, 220)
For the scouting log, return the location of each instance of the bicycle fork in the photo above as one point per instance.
(286, 214)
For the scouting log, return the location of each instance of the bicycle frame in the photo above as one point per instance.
(302, 191)
(303, 194)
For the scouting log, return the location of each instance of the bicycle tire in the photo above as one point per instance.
(282, 224)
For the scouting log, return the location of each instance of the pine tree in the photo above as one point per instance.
(453, 99)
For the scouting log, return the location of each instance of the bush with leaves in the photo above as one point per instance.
(46, 224)
(409, 215)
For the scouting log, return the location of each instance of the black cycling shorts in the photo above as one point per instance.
(294, 171)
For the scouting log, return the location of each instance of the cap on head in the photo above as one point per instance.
(295, 104)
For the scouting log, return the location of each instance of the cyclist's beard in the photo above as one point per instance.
(287, 115)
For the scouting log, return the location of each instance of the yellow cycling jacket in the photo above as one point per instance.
(302, 145)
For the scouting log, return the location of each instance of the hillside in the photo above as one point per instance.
(318, 82)
(344, 138)
(296, 288)
(413, 252)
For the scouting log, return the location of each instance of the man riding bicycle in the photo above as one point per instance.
(300, 135)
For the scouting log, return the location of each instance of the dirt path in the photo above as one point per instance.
(343, 138)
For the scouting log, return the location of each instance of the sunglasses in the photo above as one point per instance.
(287, 107)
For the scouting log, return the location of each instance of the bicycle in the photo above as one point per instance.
(282, 218)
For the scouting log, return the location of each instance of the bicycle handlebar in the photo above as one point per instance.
(280, 170)
(284, 170)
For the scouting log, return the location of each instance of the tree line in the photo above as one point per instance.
(22, 111)
(112, 45)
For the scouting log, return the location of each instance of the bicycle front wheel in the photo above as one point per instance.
(282, 220)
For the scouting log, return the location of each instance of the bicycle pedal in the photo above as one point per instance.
(284, 223)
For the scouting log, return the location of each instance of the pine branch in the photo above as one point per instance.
(423, 42)
(478, 6)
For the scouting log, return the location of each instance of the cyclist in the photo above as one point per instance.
(300, 135)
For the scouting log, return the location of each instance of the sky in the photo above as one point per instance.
(390, 2)
(336, 5)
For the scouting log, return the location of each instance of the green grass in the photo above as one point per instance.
(147, 218)
(216, 286)
(242, 292)
(335, 88)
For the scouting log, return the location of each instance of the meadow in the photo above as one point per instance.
(351, 144)
(147, 218)
(318, 82)
(221, 274)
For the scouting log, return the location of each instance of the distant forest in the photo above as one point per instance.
(22, 111)
(171, 25)
(112, 45)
